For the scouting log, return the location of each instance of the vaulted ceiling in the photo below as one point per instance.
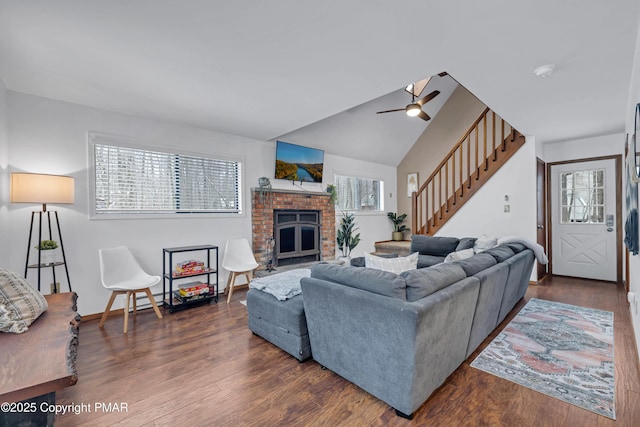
(263, 69)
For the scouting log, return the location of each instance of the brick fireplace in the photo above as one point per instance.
(262, 219)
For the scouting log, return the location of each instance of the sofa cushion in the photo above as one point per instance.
(423, 282)
(394, 265)
(466, 243)
(501, 253)
(516, 247)
(432, 245)
(359, 261)
(286, 314)
(429, 260)
(20, 304)
(369, 279)
(476, 263)
(483, 243)
(458, 255)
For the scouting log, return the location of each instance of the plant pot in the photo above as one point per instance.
(397, 235)
(345, 259)
(47, 256)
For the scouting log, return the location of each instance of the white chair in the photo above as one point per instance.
(239, 261)
(121, 274)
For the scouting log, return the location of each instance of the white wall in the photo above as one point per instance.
(49, 136)
(634, 262)
(484, 213)
(4, 177)
(374, 227)
(584, 148)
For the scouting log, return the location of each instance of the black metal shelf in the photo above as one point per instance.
(183, 276)
(40, 265)
(168, 277)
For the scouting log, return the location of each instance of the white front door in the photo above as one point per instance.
(583, 207)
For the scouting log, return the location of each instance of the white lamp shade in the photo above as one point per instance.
(41, 188)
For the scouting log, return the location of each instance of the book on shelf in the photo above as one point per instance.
(189, 267)
(192, 285)
(181, 298)
(192, 289)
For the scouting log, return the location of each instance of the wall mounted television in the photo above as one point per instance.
(298, 163)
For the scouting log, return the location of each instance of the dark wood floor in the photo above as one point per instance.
(203, 367)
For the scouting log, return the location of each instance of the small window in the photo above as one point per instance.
(358, 194)
(582, 197)
(130, 180)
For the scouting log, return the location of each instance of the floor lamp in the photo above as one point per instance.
(41, 188)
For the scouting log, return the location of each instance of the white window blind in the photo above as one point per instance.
(138, 181)
(358, 194)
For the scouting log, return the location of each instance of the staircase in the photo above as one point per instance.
(482, 150)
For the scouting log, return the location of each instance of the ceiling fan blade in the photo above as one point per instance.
(428, 98)
(390, 111)
(424, 116)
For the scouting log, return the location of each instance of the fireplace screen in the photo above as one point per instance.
(297, 235)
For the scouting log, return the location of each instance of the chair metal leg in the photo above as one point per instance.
(106, 310)
(153, 303)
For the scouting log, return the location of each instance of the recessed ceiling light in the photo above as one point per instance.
(544, 70)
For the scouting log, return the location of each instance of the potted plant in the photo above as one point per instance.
(264, 189)
(47, 253)
(333, 194)
(398, 227)
(347, 238)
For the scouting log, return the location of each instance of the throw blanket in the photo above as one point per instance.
(283, 285)
(537, 249)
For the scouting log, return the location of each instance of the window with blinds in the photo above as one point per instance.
(139, 181)
(358, 194)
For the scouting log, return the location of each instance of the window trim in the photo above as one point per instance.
(94, 138)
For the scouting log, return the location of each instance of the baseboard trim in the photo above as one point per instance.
(118, 312)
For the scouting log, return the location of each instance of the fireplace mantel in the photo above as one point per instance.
(282, 190)
(277, 199)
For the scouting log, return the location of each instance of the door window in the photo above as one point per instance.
(582, 197)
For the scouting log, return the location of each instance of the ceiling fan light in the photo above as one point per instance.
(413, 110)
(544, 70)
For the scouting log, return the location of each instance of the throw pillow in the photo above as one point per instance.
(463, 254)
(20, 304)
(394, 265)
(483, 243)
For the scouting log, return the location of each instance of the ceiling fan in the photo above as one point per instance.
(415, 108)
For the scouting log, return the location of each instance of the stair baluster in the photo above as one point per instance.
(444, 192)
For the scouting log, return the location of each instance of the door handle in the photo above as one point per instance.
(540, 227)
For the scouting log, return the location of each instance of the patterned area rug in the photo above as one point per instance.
(561, 350)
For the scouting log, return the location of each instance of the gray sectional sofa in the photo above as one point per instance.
(399, 337)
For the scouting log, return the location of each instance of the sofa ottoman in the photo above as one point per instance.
(282, 323)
